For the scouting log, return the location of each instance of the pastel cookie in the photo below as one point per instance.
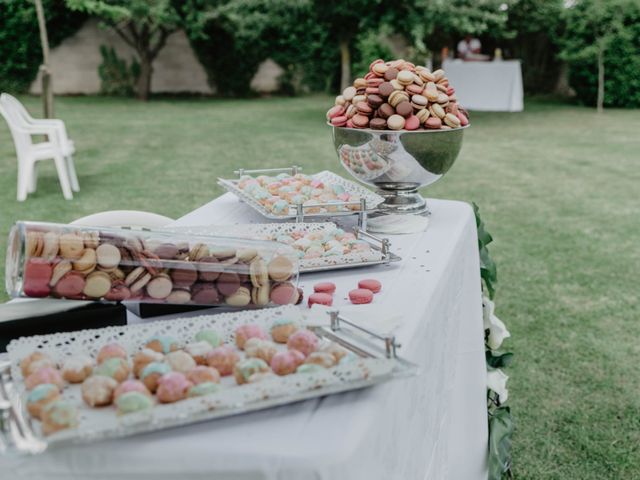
(304, 341)
(223, 359)
(59, 415)
(245, 368)
(172, 387)
(77, 368)
(282, 329)
(131, 402)
(40, 396)
(97, 391)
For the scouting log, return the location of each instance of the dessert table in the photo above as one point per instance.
(487, 86)
(432, 426)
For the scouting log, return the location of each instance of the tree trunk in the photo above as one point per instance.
(345, 64)
(600, 100)
(47, 88)
(144, 80)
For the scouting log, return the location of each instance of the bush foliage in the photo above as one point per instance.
(20, 48)
(232, 37)
(614, 26)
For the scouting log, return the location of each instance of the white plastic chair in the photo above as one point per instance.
(29, 153)
(124, 218)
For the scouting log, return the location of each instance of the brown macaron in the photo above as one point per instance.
(405, 109)
(386, 89)
(209, 268)
(375, 101)
(378, 123)
(390, 74)
(386, 110)
(185, 276)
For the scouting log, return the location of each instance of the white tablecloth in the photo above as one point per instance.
(433, 426)
(488, 86)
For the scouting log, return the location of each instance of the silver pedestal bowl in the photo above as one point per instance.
(397, 163)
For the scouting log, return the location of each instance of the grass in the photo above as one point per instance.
(558, 188)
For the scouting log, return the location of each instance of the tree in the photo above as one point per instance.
(593, 28)
(344, 20)
(144, 25)
(439, 23)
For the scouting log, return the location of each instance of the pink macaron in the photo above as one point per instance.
(320, 299)
(325, 287)
(37, 274)
(360, 296)
(370, 284)
(285, 294)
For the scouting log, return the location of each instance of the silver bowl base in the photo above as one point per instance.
(402, 202)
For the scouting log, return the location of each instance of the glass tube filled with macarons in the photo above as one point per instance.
(121, 265)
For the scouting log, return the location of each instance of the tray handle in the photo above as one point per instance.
(292, 170)
(390, 343)
(361, 212)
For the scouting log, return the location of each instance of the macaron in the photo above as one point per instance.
(320, 299)
(378, 123)
(228, 283)
(360, 296)
(160, 286)
(280, 268)
(108, 256)
(325, 287)
(404, 108)
(37, 274)
(284, 294)
(71, 246)
(166, 251)
(86, 263)
(97, 285)
(209, 270)
(205, 294)
(396, 122)
(185, 276)
(70, 286)
(370, 284)
(240, 298)
(412, 123)
(179, 296)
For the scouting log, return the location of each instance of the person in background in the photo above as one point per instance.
(469, 49)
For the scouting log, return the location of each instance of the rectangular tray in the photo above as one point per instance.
(369, 199)
(375, 362)
(380, 252)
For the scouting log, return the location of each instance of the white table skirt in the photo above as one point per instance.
(487, 86)
(433, 426)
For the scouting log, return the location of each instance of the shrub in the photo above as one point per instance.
(614, 27)
(116, 77)
(20, 47)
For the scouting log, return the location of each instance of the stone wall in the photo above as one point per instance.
(74, 64)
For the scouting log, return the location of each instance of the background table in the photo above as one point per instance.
(431, 426)
(487, 86)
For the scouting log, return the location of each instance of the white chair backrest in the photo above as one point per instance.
(124, 218)
(17, 106)
(21, 137)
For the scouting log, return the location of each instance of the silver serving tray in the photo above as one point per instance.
(380, 246)
(375, 362)
(368, 203)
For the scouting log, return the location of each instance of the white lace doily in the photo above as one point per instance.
(100, 423)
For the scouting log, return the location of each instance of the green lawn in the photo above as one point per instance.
(558, 187)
